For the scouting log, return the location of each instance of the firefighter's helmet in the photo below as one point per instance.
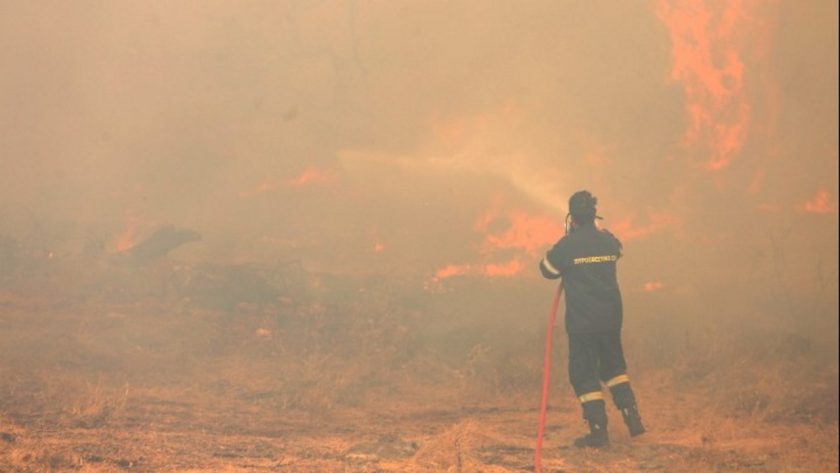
(582, 206)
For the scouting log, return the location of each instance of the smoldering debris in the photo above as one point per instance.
(86, 271)
(160, 243)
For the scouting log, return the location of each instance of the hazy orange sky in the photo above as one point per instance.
(432, 137)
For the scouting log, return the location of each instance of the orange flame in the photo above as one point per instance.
(653, 286)
(514, 232)
(128, 237)
(525, 232)
(451, 270)
(491, 270)
(708, 64)
(511, 268)
(820, 204)
(626, 230)
(310, 176)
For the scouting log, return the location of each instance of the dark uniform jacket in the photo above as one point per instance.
(586, 260)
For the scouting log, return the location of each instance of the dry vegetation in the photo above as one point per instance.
(172, 367)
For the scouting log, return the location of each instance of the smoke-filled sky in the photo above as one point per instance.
(433, 138)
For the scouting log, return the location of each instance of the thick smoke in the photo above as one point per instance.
(411, 136)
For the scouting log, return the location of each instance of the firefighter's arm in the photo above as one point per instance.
(548, 270)
(552, 265)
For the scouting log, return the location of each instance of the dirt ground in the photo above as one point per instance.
(152, 381)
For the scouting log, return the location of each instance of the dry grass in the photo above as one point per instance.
(347, 375)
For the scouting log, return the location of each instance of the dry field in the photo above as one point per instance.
(236, 369)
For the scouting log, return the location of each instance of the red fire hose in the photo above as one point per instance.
(552, 315)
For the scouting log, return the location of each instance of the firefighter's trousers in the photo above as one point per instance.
(596, 358)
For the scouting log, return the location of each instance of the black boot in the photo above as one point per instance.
(633, 420)
(596, 415)
(625, 401)
(596, 438)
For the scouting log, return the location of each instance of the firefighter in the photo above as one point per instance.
(585, 258)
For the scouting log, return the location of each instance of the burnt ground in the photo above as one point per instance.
(218, 369)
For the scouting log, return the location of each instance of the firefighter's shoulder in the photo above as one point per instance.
(609, 233)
